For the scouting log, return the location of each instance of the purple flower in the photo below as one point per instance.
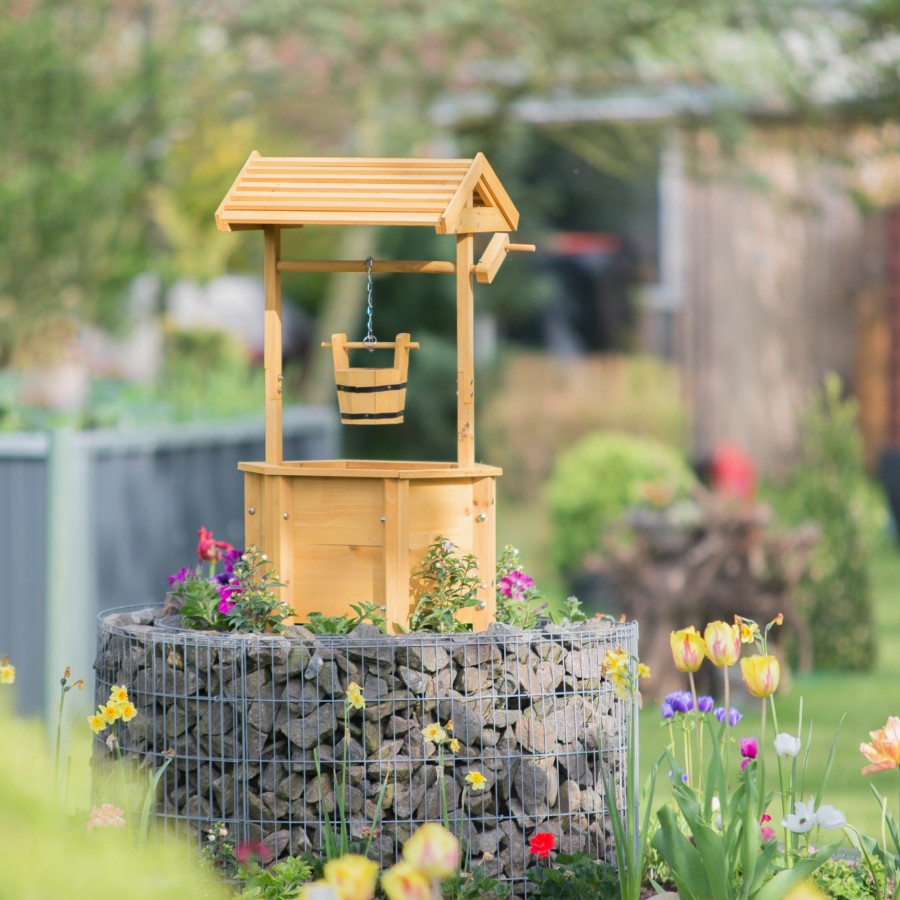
(230, 559)
(227, 591)
(734, 715)
(515, 584)
(680, 701)
(684, 778)
(225, 606)
(749, 747)
(665, 710)
(705, 704)
(178, 577)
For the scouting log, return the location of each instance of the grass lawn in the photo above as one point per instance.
(865, 699)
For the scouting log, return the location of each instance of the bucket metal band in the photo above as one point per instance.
(371, 389)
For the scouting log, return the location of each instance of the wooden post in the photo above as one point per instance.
(272, 347)
(465, 352)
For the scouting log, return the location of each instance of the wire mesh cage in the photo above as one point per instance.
(502, 734)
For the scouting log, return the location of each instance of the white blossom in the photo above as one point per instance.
(786, 745)
(802, 819)
(829, 817)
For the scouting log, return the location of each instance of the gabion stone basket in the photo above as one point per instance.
(262, 736)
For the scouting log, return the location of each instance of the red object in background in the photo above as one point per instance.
(733, 473)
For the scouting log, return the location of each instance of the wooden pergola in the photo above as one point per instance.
(316, 519)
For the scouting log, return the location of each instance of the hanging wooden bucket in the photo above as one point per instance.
(371, 396)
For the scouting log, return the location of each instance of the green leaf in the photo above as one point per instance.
(803, 868)
(681, 857)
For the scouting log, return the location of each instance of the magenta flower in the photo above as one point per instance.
(178, 577)
(515, 584)
(749, 748)
(230, 559)
(226, 606)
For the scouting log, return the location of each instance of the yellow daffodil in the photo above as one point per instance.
(723, 643)
(404, 882)
(688, 649)
(615, 661)
(118, 694)
(643, 670)
(354, 696)
(748, 629)
(433, 850)
(761, 675)
(434, 733)
(352, 876)
(7, 673)
(127, 711)
(476, 781)
(449, 725)
(97, 722)
(884, 751)
(454, 745)
(110, 712)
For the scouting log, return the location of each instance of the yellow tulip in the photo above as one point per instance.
(352, 877)
(433, 850)
(884, 751)
(688, 649)
(761, 674)
(404, 882)
(723, 643)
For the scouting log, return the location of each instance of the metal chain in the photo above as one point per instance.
(370, 338)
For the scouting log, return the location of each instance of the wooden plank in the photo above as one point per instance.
(254, 190)
(329, 577)
(412, 266)
(440, 507)
(499, 198)
(290, 181)
(338, 203)
(462, 198)
(252, 520)
(396, 553)
(280, 218)
(342, 468)
(221, 224)
(277, 507)
(338, 511)
(380, 345)
(484, 546)
(359, 162)
(465, 352)
(492, 258)
(272, 343)
(481, 220)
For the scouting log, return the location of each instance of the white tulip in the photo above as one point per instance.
(802, 820)
(829, 817)
(786, 745)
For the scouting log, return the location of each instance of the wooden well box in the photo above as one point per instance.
(345, 531)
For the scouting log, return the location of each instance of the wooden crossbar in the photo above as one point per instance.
(424, 266)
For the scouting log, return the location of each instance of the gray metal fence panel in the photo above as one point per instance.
(93, 520)
(23, 539)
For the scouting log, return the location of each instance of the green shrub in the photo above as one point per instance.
(595, 482)
(830, 488)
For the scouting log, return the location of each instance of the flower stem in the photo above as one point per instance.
(698, 735)
(59, 721)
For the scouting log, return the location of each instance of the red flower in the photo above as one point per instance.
(209, 549)
(541, 844)
(252, 850)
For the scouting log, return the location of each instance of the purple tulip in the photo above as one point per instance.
(230, 559)
(680, 701)
(734, 715)
(705, 704)
(665, 710)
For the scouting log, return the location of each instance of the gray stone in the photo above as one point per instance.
(425, 656)
(261, 715)
(536, 783)
(476, 653)
(416, 680)
(312, 729)
(535, 736)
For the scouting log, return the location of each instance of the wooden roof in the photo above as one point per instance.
(450, 195)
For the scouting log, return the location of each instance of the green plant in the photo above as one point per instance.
(838, 879)
(280, 882)
(829, 487)
(240, 598)
(573, 875)
(474, 884)
(318, 623)
(447, 584)
(595, 482)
